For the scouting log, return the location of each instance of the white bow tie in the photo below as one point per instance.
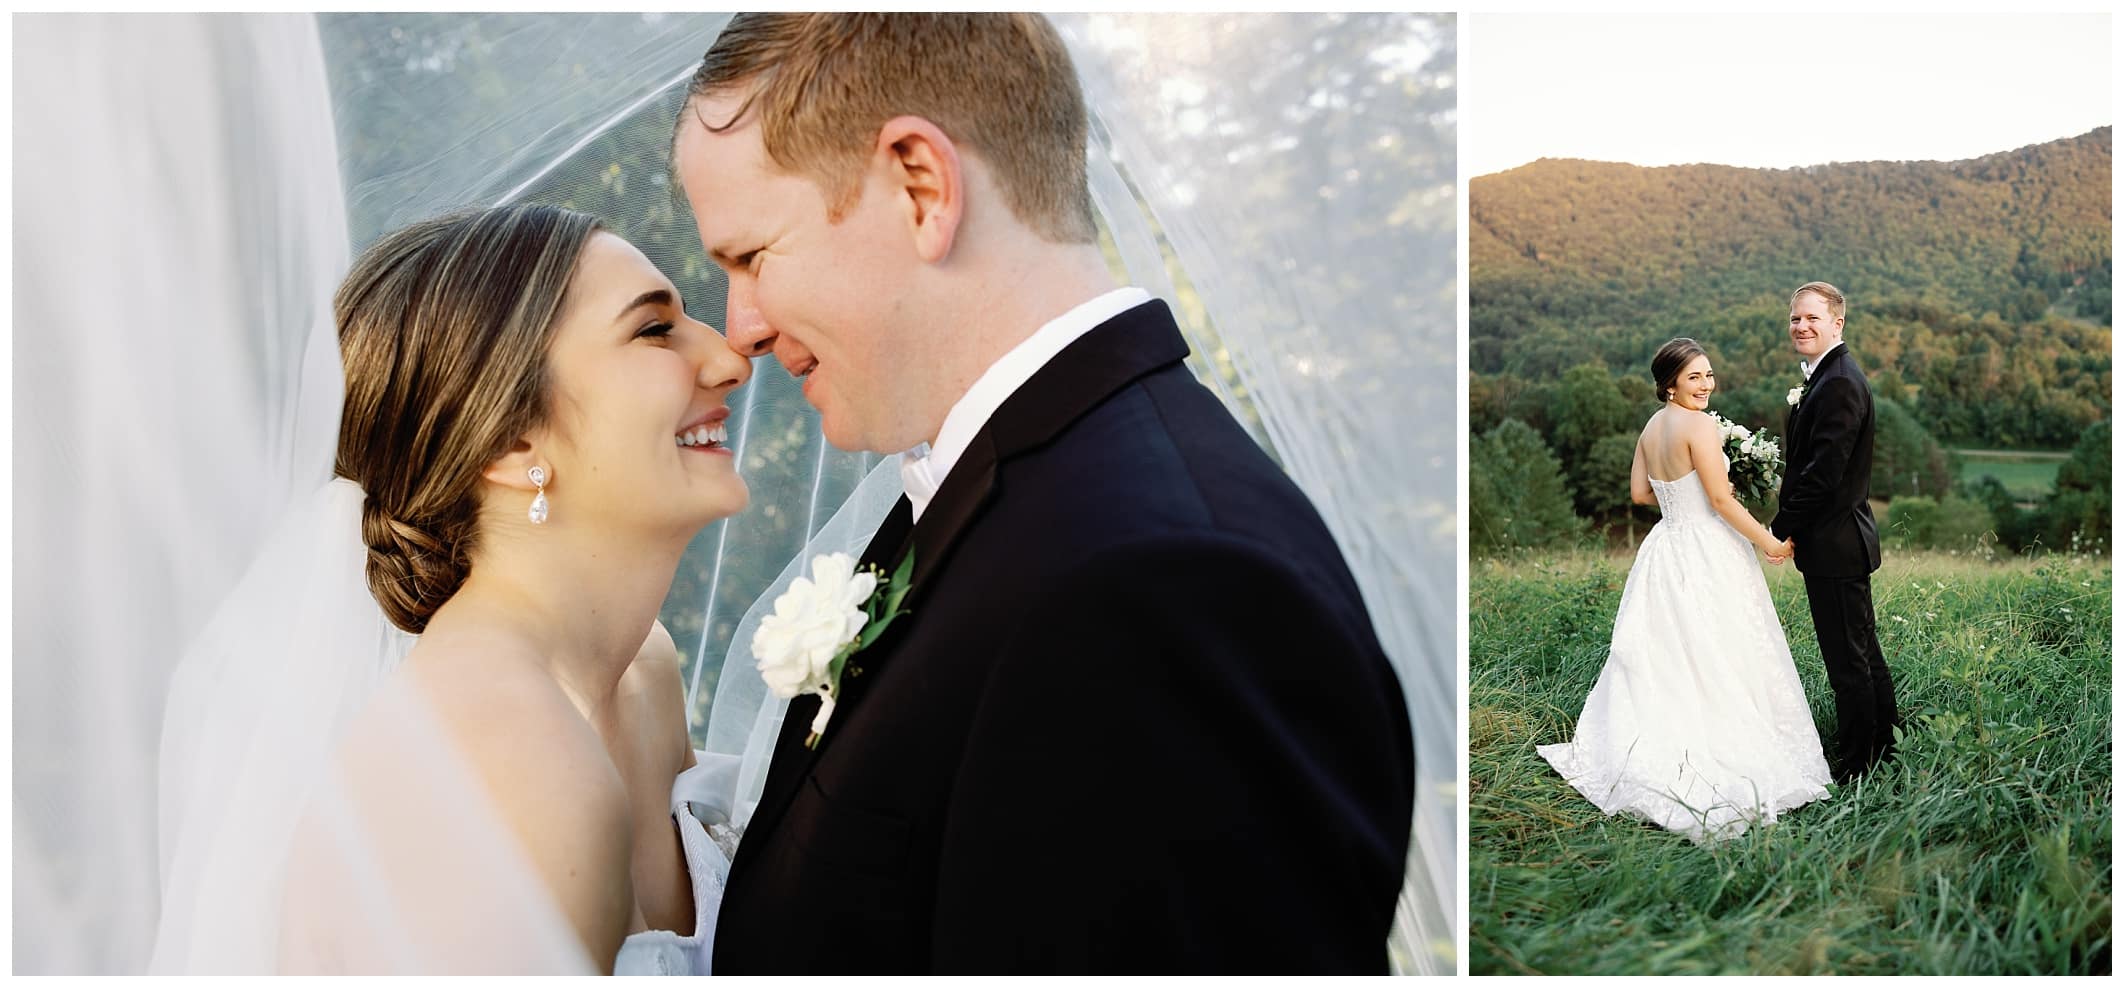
(915, 476)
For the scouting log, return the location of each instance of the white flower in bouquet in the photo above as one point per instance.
(1754, 460)
(1760, 447)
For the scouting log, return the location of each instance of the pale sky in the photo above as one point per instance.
(1774, 91)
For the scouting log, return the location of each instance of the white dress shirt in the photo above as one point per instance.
(923, 468)
(1807, 367)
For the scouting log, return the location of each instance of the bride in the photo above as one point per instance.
(532, 433)
(1698, 722)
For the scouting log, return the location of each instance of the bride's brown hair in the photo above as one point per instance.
(1667, 364)
(443, 332)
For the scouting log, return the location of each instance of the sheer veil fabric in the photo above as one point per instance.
(178, 385)
(177, 238)
(189, 191)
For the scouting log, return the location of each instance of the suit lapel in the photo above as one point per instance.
(1821, 372)
(792, 761)
(1077, 380)
(891, 538)
(1087, 372)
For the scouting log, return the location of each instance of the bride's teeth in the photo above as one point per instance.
(705, 435)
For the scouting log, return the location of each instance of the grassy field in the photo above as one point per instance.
(2027, 475)
(1983, 849)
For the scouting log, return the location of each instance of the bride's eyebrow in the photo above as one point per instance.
(655, 296)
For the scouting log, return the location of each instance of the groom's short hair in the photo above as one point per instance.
(1001, 85)
(1828, 293)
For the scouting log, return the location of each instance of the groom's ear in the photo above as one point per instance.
(923, 170)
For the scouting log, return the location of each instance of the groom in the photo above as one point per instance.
(1823, 516)
(1136, 719)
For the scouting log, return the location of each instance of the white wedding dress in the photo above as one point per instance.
(701, 805)
(1698, 722)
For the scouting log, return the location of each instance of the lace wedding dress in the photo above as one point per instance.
(1698, 722)
(701, 804)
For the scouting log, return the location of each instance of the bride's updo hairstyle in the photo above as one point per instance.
(1667, 364)
(443, 332)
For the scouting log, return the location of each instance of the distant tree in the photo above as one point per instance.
(2080, 506)
(1485, 403)
(1516, 495)
(2029, 305)
(2087, 469)
(1603, 476)
(1906, 459)
(1534, 403)
(2091, 298)
(1589, 407)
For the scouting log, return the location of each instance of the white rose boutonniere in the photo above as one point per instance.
(818, 623)
(1793, 396)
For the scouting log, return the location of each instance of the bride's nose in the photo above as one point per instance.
(719, 367)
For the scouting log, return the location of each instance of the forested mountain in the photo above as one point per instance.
(1979, 289)
(1979, 305)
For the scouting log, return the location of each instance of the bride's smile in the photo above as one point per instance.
(1696, 384)
(640, 399)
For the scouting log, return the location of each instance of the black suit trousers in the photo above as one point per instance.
(1858, 673)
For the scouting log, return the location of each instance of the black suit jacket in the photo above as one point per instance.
(1822, 505)
(1136, 719)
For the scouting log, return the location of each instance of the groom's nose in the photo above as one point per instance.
(743, 325)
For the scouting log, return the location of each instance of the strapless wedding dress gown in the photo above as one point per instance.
(700, 804)
(1698, 722)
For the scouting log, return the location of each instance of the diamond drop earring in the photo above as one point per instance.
(538, 504)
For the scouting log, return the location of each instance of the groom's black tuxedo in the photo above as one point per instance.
(1136, 719)
(1822, 508)
(1822, 505)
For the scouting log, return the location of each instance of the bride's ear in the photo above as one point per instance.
(513, 468)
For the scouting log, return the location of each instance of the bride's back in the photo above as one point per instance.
(1665, 445)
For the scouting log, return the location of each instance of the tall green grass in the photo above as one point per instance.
(1983, 849)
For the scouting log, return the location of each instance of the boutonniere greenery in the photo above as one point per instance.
(820, 623)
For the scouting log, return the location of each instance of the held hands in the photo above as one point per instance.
(1776, 552)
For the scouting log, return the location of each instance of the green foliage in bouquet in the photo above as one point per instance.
(1753, 462)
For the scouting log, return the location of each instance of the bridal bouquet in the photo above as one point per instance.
(1753, 461)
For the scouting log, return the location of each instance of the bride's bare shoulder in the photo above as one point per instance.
(481, 710)
(494, 704)
(507, 713)
(1658, 428)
